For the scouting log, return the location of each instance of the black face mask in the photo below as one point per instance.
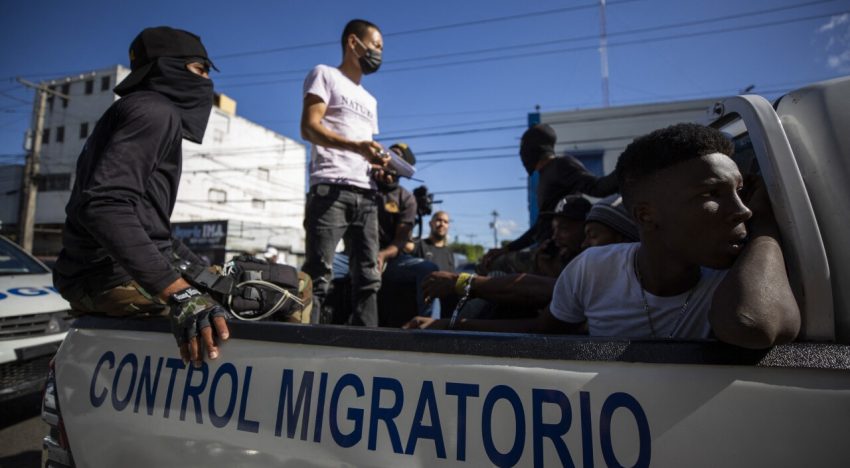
(370, 62)
(191, 93)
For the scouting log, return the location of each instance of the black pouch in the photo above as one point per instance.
(258, 292)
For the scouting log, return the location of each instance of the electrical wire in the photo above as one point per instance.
(426, 29)
(687, 35)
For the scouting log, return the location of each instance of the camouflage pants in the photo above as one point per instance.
(126, 300)
(131, 300)
(305, 293)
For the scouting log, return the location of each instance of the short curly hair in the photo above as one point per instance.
(667, 147)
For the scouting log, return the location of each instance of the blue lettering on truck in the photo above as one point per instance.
(311, 398)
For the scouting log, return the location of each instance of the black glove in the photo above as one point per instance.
(191, 311)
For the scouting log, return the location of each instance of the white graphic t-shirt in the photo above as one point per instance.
(351, 112)
(600, 286)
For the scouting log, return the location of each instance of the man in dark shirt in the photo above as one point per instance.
(396, 215)
(435, 247)
(557, 177)
(119, 257)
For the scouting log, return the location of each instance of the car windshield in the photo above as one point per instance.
(14, 261)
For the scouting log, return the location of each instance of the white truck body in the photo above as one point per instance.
(302, 395)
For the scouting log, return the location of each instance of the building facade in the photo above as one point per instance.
(243, 173)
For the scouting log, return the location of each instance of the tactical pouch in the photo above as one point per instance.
(254, 299)
(250, 287)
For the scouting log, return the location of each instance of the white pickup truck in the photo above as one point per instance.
(312, 395)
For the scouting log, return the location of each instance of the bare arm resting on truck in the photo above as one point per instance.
(545, 323)
(522, 288)
(754, 306)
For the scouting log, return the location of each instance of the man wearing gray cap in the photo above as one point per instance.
(608, 222)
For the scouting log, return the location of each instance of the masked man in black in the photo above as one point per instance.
(119, 257)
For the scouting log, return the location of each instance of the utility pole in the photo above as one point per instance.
(493, 226)
(29, 184)
(603, 52)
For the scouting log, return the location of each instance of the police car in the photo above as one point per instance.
(33, 321)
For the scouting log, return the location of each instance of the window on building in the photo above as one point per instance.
(51, 97)
(54, 182)
(104, 83)
(263, 173)
(84, 130)
(89, 86)
(66, 90)
(592, 160)
(217, 196)
(60, 134)
(45, 136)
(258, 204)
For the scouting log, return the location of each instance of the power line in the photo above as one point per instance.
(620, 44)
(465, 150)
(425, 29)
(456, 132)
(567, 50)
(432, 127)
(481, 190)
(620, 33)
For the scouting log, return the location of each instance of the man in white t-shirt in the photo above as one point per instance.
(340, 118)
(695, 272)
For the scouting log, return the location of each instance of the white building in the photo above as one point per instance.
(243, 173)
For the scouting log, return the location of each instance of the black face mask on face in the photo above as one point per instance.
(191, 93)
(370, 62)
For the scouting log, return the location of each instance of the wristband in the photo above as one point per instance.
(461, 283)
(184, 295)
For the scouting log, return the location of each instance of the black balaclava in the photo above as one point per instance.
(191, 93)
(537, 143)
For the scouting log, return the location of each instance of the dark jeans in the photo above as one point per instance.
(401, 270)
(409, 269)
(336, 212)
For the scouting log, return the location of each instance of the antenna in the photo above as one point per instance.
(603, 52)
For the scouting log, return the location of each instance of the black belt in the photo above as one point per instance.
(350, 188)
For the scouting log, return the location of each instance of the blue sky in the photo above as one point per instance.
(522, 54)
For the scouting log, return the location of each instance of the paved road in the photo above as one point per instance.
(21, 431)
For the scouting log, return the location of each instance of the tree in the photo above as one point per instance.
(473, 252)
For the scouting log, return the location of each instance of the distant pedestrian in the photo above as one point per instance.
(435, 247)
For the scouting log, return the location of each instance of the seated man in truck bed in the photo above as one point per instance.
(607, 222)
(695, 271)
